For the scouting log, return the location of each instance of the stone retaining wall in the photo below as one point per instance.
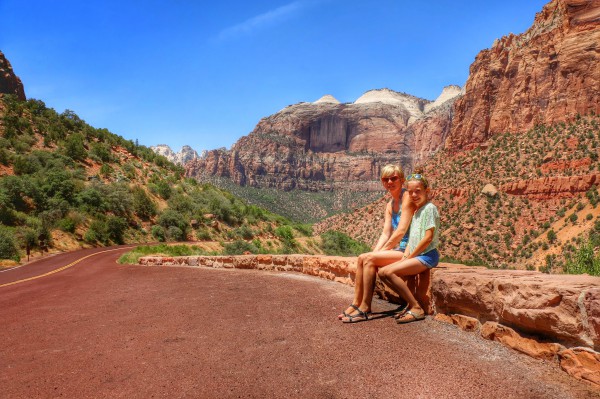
(553, 317)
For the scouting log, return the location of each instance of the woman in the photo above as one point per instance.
(389, 248)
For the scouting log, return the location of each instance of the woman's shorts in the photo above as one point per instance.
(429, 259)
(401, 247)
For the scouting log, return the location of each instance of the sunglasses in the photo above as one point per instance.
(415, 176)
(391, 178)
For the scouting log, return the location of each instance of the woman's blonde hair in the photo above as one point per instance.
(389, 170)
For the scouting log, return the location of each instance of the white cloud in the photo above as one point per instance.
(268, 18)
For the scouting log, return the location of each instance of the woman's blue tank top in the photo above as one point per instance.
(396, 220)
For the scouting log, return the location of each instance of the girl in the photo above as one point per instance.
(389, 248)
(421, 252)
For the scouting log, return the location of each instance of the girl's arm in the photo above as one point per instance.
(424, 243)
(408, 210)
(387, 228)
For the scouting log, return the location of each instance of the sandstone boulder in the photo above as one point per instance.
(581, 363)
(489, 190)
(561, 307)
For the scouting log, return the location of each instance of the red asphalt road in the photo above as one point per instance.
(102, 330)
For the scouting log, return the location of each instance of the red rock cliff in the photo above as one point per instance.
(548, 74)
(9, 82)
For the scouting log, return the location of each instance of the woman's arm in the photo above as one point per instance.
(387, 228)
(423, 244)
(408, 210)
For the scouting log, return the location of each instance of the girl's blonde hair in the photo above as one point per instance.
(389, 170)
(417, 175)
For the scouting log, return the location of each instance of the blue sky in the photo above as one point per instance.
(204, 73)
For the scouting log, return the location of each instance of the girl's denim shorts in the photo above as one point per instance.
(430, 259)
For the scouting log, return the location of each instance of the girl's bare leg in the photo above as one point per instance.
(392, 276)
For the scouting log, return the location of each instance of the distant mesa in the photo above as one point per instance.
(328, 98)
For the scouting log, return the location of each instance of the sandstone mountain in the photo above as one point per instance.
(527, 125)
(9, 82)
(548, 74)
(182, 157)
(326, 145)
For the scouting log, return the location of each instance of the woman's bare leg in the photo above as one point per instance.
(358, 287)
(369, 263)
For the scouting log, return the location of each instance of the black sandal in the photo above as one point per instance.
(344, 314)
(401, 311)
(355, 318)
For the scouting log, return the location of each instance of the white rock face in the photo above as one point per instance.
(186, 154)
(414, 105)
(328, 98)
(164, 150)
(448, 93)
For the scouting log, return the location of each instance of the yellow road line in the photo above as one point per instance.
(59, 269)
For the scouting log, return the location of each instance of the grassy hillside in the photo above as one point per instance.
(65, 184)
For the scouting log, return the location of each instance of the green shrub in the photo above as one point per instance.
(105, 231)
(238, 247)
(171, 217)
(90, 200)
(97, 233)
(74, 147)
(158, 232)
(244, 232)
(163, 189)
(8, 247)
(115, 229)
(339, 244)
(174, 233)
(203, 234)
(67, 224)
(143, 206)
(584, 261)
(304, 229)
(284, 233)
(551, 236)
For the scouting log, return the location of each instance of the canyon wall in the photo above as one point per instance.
(327, 145)
(548, 74)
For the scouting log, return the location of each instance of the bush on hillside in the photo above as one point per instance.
(143, 206)
(339, 244)
(238, 247)
(158, 232)
(583, 261)
(8, 247)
